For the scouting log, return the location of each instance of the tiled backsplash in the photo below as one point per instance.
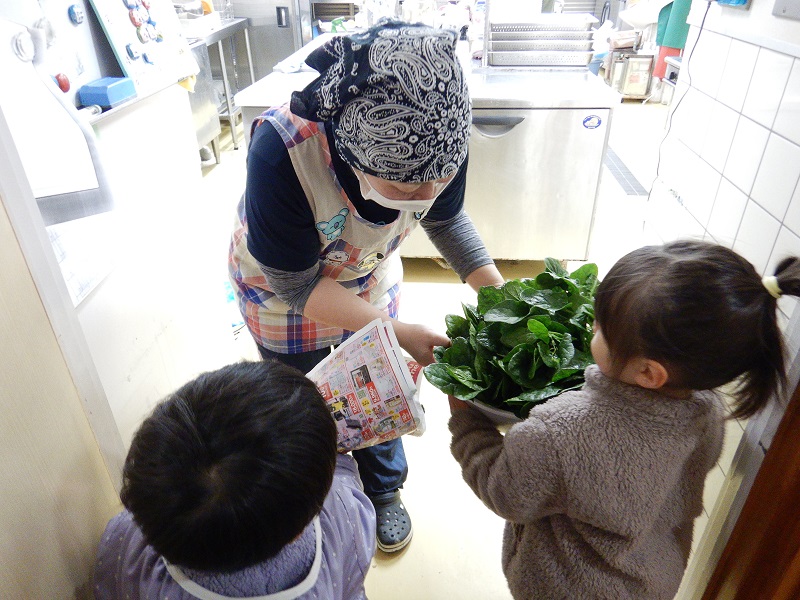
(729, 172)
(730, 163)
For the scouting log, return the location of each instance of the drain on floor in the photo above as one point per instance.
(623, 175)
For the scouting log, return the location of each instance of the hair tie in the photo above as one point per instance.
(771, 283)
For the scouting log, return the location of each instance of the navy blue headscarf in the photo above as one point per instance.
(397, 98)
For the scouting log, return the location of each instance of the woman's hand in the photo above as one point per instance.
(330, 303)
(419, 340)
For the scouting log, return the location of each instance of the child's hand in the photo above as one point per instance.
(456, 404)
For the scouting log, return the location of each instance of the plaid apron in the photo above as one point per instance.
(358, 254)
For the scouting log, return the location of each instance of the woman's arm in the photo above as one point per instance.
(453, 234)
(485, 275)
(333, 305)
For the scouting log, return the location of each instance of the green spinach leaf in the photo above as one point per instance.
(523, 343)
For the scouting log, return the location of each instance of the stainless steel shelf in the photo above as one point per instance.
(229, 112)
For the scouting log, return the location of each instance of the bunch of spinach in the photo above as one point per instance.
(525, 342)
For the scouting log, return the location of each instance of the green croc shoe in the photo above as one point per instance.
(394, 524)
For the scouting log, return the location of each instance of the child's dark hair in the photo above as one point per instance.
(231, 467)
(703, 312)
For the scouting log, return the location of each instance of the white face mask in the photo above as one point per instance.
(370, 193)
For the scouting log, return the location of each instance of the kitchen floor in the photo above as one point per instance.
(456, 546)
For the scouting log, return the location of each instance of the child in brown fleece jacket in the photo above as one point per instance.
(600, 487)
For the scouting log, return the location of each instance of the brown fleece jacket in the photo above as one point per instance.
(599, 487)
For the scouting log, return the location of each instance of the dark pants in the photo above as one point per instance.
(383, 467)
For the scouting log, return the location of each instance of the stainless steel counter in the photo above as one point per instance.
(498, 87)
(490, 87)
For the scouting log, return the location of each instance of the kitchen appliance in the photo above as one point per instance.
(549, 39)
(96, 202)
(630, 73)
(67, 179)
(148, 41)
(535, 154)
(277, 29)
(608, 10)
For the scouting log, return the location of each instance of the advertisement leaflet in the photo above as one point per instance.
(369, 388)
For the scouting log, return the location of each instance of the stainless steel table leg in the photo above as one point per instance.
(249, 56)
(215, 148)
(227, 88)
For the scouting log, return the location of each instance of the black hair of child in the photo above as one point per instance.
(231, 467)
(703, 312)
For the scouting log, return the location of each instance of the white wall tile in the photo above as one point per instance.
(698, 197)
(777, 176)
(792, 218)
(787, 244)
(727, 212)
(756, 235)
(691, 40)
(766, 87)
(650, 235)
(787, 306)
(690, 119)
(737, 74)
(744, 158)
(719, 136)
(787, 122)
(709, 136)
(703, 66)
(681, 89)
(673, 168)
(733, 435)
(669, 219)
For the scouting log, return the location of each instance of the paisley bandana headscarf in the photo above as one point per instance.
(397, 99)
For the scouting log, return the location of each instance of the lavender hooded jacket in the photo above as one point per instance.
(128, 568)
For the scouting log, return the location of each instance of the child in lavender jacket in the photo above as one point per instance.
(600, 487)
(233, 489)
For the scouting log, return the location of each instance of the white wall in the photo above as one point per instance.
(730, 172)
(56, 493)
(755, 24)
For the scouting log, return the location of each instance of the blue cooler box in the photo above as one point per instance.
(107, 92)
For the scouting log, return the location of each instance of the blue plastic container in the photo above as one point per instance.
(107, 92)
(596, 62)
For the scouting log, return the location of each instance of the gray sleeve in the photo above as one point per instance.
(458, 242)
(517, 476)
(293, 287)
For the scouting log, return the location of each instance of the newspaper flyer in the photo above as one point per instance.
(370, 388)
